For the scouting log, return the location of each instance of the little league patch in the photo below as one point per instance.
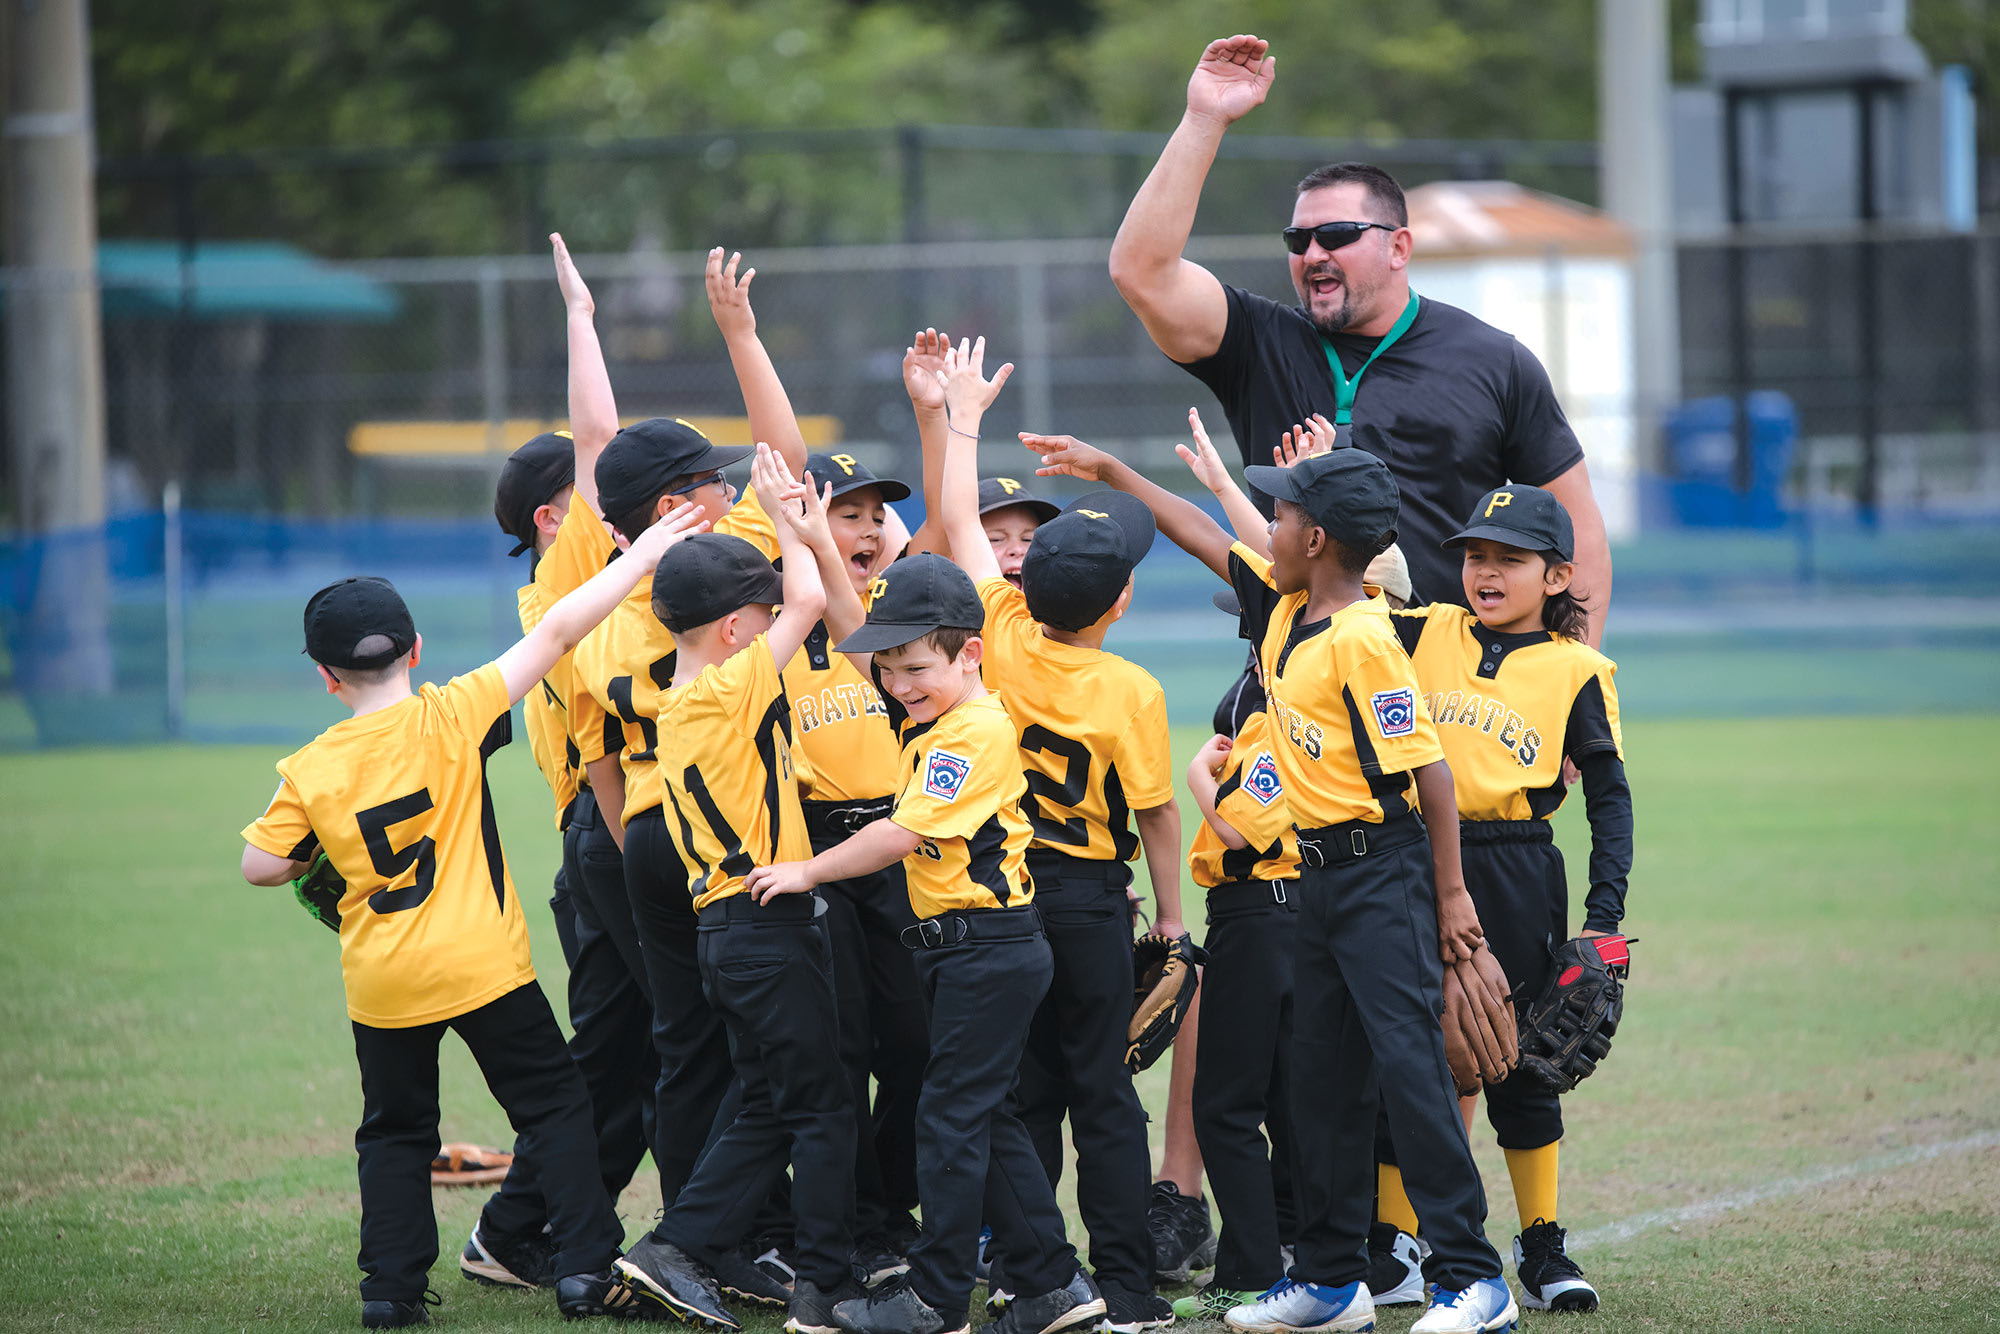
(1260, 780)
(945, 775)
(1395, 711)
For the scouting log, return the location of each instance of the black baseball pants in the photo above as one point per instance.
(1075, 1064)
(881, 1032)
(975, 1162)
(1242, 1076)
(768, 973)
(520, 1050)
(1367, 1023)
(1514, 872)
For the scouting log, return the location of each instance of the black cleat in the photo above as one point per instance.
(1395, 1265)
(811, 1311)
(883, 1253)
(502, 1261)
(396, 1314)
(1183, 1237)
(895, 1308)
(1550, 1280)
(1133, 1312)
(603, 1293)
(1076, 1305)
(663, 1274)
(748, 1274)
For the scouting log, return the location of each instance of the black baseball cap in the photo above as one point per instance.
(1079, 561)
(848, 473)
(645, 458)
(1227, 602)
(705, 577)
(530, 479)
(1521, 516)
(914, 596)
(997, 493)
(1349, 492)
(344, 616)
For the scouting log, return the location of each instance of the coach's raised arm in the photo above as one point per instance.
(1454, 406)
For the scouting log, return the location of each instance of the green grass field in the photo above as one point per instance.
(1813, 1034)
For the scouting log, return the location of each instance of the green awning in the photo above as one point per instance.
(235, 280)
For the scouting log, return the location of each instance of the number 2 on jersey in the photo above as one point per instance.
(1073, 832)
(390, 862)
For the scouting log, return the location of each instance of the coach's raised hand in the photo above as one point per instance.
(1231, 79)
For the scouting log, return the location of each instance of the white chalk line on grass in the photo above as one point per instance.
(1716, 1206)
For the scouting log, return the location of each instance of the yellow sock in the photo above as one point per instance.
(1392, 1203)
(1533, 1172)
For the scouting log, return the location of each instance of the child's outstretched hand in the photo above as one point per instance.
(967, 391)
(1213, 754)
(1202, 460)
(575, 294)
(1067, 456)
(923, 369)
(729, 296)
(794, 503)
(1303, 441)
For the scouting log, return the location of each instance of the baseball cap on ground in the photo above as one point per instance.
(1349, 492)
(360, 624)
(1079, 561)
(645, 458)
(997, 493)
(848, 473)
(914, 596)
(530, 479)
(705, 577)
(1521, 516)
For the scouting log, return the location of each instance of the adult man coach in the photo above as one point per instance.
(1453, 405)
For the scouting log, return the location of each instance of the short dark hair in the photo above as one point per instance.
(950, 640)
(1381, 186)
(638, 519)
(1352, 560)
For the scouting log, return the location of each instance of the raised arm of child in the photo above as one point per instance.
(576, 614)
(923, 378)
(1203, 773)
(593, 412)
(764, 399)
(1185, 523)
(805, 544)
(1252, 530)
(967, 394)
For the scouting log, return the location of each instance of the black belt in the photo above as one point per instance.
(1480, 833)
(739, 907)
(1238, 895)
(838, 819)
(954, 928)
(1356, 839)
(1067, 866)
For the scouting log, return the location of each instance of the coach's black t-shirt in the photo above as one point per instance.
(1455, 408)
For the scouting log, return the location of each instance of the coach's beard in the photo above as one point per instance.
(1333, 321)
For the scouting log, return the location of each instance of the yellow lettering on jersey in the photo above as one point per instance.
(1511, 728)
(1008, 484)
(808, 715)
(846, 462)
(1501, 499)
(829, 705)
(1469, 715)
(1531, 746)
(1493, 712)
(1300, 730)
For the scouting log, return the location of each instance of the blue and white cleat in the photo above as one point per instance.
(1295, 1306)
(1487, 1307)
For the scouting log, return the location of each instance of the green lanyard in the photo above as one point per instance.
(1344, 389)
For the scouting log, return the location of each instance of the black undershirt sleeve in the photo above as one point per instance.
(1258, 599)
(1607, 801)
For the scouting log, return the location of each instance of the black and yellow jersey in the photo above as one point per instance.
(1093, 731)
(1250, 798)
(1348, 721)
(430, 926)
(621, 667)
(1508, 708)
(841, 723)
(732, 799)
(961, 790)
(582, 547)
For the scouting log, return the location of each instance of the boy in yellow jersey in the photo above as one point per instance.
(1377, 886)
(983, 960)
(431, 931)
(1245, 856)
(841, 727)
(766, 968)
(1515, 690)
(1099, 762)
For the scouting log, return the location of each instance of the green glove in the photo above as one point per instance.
(319, 891)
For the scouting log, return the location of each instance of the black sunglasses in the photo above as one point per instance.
(698, 483)
(1330, 235)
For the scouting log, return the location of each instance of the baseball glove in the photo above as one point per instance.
(319, 891)
(1480, 1040)
(1568, 1029)
(469, 1165)
(1163, 983)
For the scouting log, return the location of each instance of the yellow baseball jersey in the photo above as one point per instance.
(732, 799)
(582, 547)
(961, 793)
(621, 667)
(1347, 718)
(841, 723)
(1508, 708)
(1250, 798)
(430, 926)
(1093, 731)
